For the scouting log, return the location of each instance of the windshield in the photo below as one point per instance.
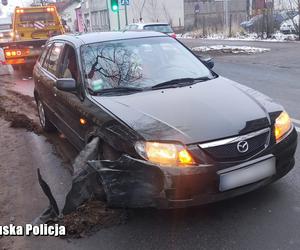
(139, 63)
(36, 16)
(159, 28)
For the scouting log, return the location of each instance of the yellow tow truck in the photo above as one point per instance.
(31, 28)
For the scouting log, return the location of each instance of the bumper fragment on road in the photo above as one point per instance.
(84, 186)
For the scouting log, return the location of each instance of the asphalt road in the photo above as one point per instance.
(265, 219)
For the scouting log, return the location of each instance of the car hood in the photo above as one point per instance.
(206, 111)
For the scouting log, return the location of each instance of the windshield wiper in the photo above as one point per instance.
(117, 90)
(180, 82)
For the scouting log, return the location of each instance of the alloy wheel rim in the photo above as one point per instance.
(42, 114)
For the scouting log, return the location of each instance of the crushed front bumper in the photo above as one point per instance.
(130, 182)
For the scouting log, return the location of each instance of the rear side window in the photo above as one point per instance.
(159, 28)
(132, 27)
(44, 53)
(52, 59)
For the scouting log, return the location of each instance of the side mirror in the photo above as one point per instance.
(66, 84)
(207, 61)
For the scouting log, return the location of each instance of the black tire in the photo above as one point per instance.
(23, 70)
(46, 124)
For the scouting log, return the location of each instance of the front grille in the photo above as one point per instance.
(229, 151)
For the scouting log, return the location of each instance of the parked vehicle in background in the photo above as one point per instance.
(32, 26)
(5, 29)
(256, 23)
(158, 27)
(288, 27)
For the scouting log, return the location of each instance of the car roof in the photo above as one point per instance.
(94, 37)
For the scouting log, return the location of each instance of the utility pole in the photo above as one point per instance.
(119, 23)
(299, 18)
(126, 15)
(108, 16)
(90, 15)
(226, 17)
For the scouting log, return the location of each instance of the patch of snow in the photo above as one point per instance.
(231, 49)
(276, 37)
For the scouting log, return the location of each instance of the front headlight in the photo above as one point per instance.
(282, 125)
(1, 35)
(166, 154)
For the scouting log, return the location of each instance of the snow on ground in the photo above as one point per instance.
(276, 37)
(231, 49)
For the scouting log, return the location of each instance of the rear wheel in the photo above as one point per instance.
(23, 70)
(16, 67)
(46, 124)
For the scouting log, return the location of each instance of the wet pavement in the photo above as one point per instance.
(265, 219)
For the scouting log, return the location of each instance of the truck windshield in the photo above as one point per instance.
(36, 16)
(139, 63)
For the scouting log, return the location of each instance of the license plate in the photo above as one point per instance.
(237, 177)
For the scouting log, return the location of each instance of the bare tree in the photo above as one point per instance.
(138, 7)
(167, 14)
(295, 5)
(113, 63)
(152, 8)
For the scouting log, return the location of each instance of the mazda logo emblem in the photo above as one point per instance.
(242, 146)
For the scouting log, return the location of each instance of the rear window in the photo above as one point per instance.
(53, 58)
(44, 53)
(159, 28)
(36, 16)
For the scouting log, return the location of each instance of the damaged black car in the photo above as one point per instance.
(169, 131)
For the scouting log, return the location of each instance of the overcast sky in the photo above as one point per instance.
(12, 4)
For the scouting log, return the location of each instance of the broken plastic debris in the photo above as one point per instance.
(84, 185)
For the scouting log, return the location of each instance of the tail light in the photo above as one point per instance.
(14, 53)
(173, 35)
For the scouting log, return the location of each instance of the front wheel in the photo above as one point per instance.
(46, 124)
